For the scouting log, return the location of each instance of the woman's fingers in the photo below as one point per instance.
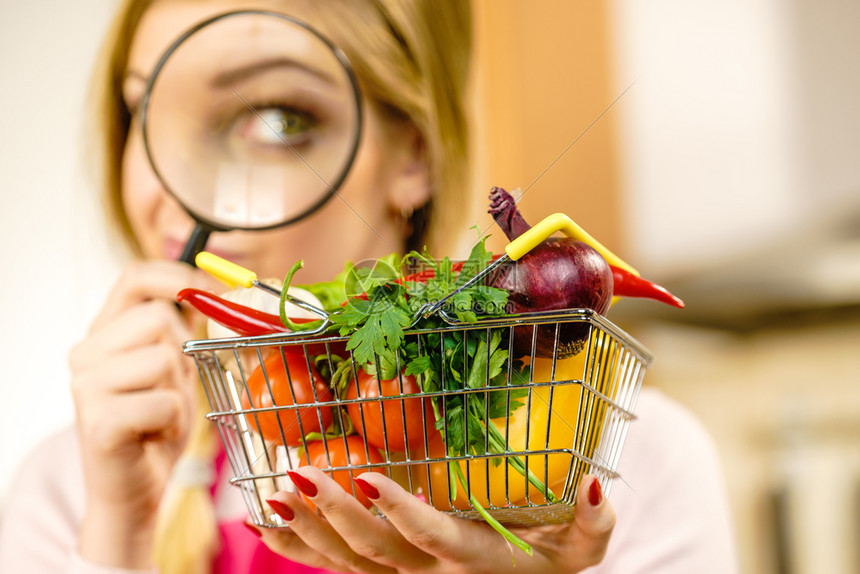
(127, 418)
(559, 548)
(594, 521)
(318, 536)
(144, 281)
(287, 543)
(151, 322)
(129, 443)
(364, 533)
(434, 533)
(134, 394)
(416, 537)
(136, 370)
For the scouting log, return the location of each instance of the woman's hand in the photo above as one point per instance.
(134, 395)
(417, 538)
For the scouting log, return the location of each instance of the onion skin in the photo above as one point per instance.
(559, 273)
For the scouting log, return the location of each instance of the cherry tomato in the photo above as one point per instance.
(377, 421)
(315, 455)
(288, 376)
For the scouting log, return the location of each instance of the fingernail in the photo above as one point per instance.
(282, 509)
(368, 489)
(421, 497)
(595, 494)
(304, 485)
(253, 529)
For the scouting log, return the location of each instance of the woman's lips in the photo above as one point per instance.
(173, 249)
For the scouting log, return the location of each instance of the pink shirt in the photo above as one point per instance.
(671, 507)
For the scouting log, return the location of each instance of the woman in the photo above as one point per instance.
(138, 485)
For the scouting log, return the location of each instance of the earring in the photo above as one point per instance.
(402, 219)
(412, 224)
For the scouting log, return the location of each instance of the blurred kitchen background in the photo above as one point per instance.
(715, 144)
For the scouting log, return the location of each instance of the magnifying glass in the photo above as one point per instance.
(251, 120)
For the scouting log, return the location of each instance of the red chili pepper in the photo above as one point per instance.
(626, 284)
(249, 322)
(245, 321)
(428, 274)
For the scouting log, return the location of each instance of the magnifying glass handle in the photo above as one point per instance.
(196, 243)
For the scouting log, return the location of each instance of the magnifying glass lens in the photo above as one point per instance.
(251, 121)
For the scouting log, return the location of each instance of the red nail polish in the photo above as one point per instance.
(304, 485)
(282, 509)
(595, 494)
(368, 489)
(253, 529)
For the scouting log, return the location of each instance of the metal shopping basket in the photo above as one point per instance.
(572, 417)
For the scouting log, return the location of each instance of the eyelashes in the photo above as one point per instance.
(276, 125)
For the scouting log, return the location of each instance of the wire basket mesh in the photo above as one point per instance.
(554, 419)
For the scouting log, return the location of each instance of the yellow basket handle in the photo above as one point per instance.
(225, 271)
(560, 222)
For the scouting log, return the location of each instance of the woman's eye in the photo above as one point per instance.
(277, 126)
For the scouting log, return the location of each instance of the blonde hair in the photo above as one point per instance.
(411, 58)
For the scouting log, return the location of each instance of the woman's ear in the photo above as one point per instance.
(411, 184)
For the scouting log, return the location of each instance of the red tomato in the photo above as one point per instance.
(283, 383)
(337, 456)
(378, 420)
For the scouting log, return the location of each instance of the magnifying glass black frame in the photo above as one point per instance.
(204, 227)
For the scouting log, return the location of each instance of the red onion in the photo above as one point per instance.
(559, 273)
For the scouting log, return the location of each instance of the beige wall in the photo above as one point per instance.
(55, 266)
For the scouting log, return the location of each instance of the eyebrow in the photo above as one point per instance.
(237, 75)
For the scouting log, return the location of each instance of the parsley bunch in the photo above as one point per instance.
(460, 360)
(449, 360)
